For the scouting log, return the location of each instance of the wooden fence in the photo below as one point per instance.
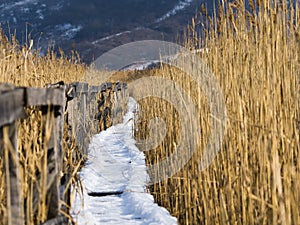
(84, 109)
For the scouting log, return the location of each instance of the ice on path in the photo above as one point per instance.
(116, 165)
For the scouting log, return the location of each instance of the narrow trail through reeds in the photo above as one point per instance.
(255, 178)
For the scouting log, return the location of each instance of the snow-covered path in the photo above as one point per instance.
(114, 181)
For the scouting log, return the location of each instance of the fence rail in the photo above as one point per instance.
(85, 109)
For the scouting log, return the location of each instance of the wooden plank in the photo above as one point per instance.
(82, 92)
(81, 112)
(82, 115)
(82, 88)
(70, 120)
(54, 115)
(103, 87)
(9, 151)
(120, 102)
(52, 100)
(72, 115)
(55, 147)
(45, 96)
(12, 102)
(61, 220)
(94, 89)
(4, 87)
(75, 89)
(52, 188)
(77, 114)
(109, 85)
(11, 106)
(92, 110)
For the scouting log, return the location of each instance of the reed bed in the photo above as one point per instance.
(255, 178)
(24, 66)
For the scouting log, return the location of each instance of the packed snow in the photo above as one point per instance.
(114, 181)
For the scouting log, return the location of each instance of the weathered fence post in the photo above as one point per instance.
(55, 149)
(92, 107)
(11, 102)
(82, 90)
(101, 108)
(52, 102)
(83, 104)
(119, 103)
(77, 110)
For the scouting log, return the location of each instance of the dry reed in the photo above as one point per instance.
(255, 179)
(23, 66)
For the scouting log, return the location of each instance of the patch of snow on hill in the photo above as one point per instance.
(180, 6)
(9, 6)
(110, 37)
(68, 31)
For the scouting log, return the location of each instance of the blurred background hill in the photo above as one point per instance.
(93, 27)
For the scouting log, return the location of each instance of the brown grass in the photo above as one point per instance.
(23, 66)
(255, 178)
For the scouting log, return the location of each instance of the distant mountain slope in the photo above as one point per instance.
(95, 26)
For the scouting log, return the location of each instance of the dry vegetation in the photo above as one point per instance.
(22, 66)
(255, 179)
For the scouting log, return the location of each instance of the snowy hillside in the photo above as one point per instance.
(95, 26)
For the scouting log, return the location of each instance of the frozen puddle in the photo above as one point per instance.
(114, 181)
